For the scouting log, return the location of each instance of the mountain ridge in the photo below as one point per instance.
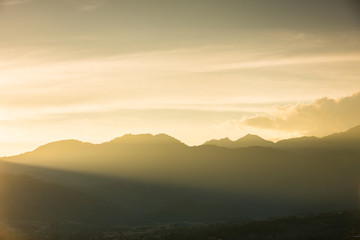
(351, 137)
(248, 140)
(251, 181)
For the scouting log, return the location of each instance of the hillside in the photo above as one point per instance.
(326, 226)
(340, 225)
(28, 199)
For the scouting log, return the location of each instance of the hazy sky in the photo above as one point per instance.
(94, 70)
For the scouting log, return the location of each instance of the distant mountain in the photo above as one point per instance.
(70, 144)
(147, 174)
(349, 139)
(246, 141)
(148, 158)
(161, 158)
(146, 139)
(300, 142)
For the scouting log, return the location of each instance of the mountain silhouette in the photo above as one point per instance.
(146, 139)
(349, 139)
(352, 136)
(147, 174)
(246, 141)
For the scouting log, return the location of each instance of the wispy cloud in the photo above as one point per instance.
(177, 76)
(278, 62)
(88, 5)
(13, 2)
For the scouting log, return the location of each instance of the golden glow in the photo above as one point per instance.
(98, 74)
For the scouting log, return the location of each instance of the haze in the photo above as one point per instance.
(94, 70)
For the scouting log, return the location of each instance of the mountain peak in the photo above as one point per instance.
(219, 142)
(248, 140)
(251, 137)
(146, 139)
(68, 143)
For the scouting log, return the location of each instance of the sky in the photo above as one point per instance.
(94, 70)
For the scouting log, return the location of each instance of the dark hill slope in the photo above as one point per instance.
(262, 178)
(26, 198)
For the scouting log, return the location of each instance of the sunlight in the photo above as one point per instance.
(185, 119)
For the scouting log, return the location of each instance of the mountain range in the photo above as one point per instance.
(247, 141)
(138, 179)
(348, 139)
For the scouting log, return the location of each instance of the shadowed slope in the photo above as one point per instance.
(321, 179)
(26, 198)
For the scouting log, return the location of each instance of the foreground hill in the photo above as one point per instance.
(28, 199)
(340, 225)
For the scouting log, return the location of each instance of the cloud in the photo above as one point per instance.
(321, 117)
(13, 2)
(37, 80)
(289, 61)
(88, 5)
